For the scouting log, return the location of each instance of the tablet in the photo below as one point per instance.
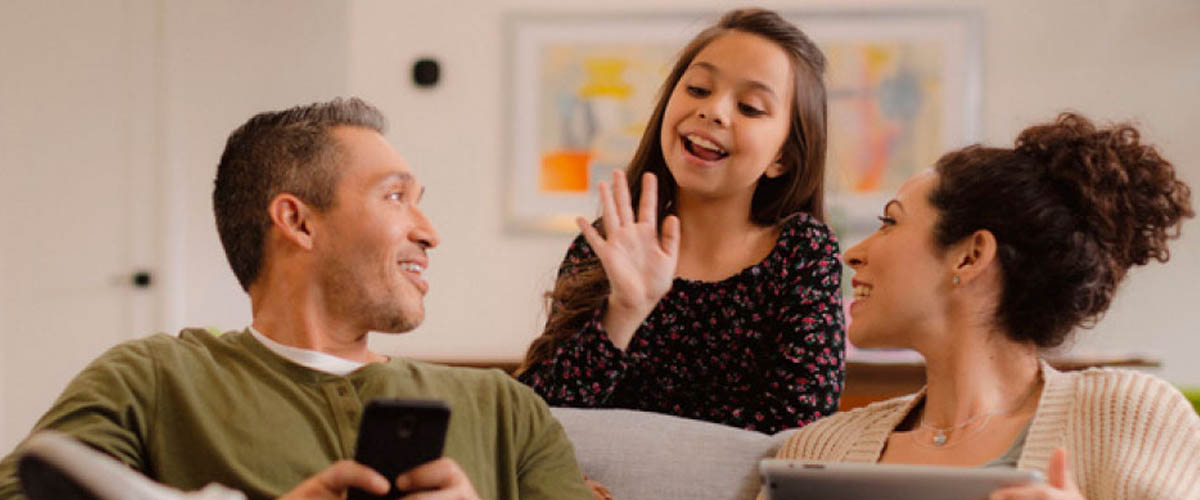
(794, 480)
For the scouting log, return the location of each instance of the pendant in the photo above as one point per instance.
(939, 437)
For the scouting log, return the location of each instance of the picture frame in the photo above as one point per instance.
(903, 87)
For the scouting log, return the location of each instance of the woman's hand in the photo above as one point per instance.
(1059, 487)
(639, 264)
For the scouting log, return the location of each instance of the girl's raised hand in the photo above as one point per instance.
(639, 264)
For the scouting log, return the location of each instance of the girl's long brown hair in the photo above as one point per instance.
(580, 291)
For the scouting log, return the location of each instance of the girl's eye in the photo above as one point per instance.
(886, 221)
(698, 91)
(395, 196)
(749, 110)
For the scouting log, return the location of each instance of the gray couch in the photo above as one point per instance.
(648, 456)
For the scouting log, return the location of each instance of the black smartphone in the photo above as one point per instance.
(396, 435)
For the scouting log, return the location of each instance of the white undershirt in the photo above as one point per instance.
(308, 358)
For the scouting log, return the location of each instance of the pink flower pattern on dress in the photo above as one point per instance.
(761, 350)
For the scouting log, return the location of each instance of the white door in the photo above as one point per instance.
(78, 99)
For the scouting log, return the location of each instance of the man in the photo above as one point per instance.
(320, 221)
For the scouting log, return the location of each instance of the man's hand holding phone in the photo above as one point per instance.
(398, 456)
(333, 482)
(439, 479)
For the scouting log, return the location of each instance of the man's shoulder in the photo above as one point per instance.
(489, 377)
(480, 384)
(188, 340)
(192, 344)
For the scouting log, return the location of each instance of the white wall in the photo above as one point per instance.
(1111, 60)
(225, 61)
(179, 76)
(112, 117)
(77, 145)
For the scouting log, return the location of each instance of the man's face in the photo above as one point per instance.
(369, 246)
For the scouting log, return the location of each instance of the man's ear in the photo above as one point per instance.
(293, 219)
(974, 255)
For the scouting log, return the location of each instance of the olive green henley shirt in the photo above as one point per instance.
(196, 409)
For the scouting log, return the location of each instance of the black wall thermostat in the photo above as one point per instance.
(426, 72)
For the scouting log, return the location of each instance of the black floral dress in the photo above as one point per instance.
(761, 350)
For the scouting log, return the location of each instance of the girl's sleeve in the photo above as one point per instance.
(585, 369)
(805, 380)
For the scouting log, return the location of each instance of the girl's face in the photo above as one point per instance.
(901, 280)
(728, 116)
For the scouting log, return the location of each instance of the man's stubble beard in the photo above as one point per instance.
(351, 298)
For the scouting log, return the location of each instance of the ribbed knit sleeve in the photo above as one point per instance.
(1128, 435)
(1132, 436)
(857, 435)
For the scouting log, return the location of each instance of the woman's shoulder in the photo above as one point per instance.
(1112, 388)
(830, 438)
(1125, 428)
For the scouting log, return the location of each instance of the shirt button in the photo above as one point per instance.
(341, 391)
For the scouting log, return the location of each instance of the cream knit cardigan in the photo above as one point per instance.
(1128, 435)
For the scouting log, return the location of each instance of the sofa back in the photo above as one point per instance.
(648, 456)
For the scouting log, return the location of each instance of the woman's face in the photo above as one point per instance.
(901, 280)
(727, 117)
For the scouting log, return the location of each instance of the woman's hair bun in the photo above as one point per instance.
(1072, 207)
(1125, 194)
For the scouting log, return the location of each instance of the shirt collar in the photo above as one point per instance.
(308, 358)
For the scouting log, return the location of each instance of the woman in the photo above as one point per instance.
(983, 262)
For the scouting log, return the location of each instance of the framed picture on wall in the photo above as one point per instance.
(903, 88)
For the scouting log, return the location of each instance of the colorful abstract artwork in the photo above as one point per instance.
(902, 88)
(593, 110)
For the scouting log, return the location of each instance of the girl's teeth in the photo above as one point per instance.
(416, 268)
(862, 291)
(704, 143)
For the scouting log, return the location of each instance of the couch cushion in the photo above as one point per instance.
(649, 456)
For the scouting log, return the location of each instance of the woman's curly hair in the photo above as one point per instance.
(1072, 208)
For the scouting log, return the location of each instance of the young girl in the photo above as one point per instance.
(732, 312)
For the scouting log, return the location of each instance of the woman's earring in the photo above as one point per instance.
(955, 280)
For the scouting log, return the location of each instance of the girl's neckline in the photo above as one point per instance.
(786, 226)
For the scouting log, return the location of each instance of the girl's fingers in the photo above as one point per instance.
(590, 234)
(670, 236)
(608, 211)
(648, 207)
(624, 201)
